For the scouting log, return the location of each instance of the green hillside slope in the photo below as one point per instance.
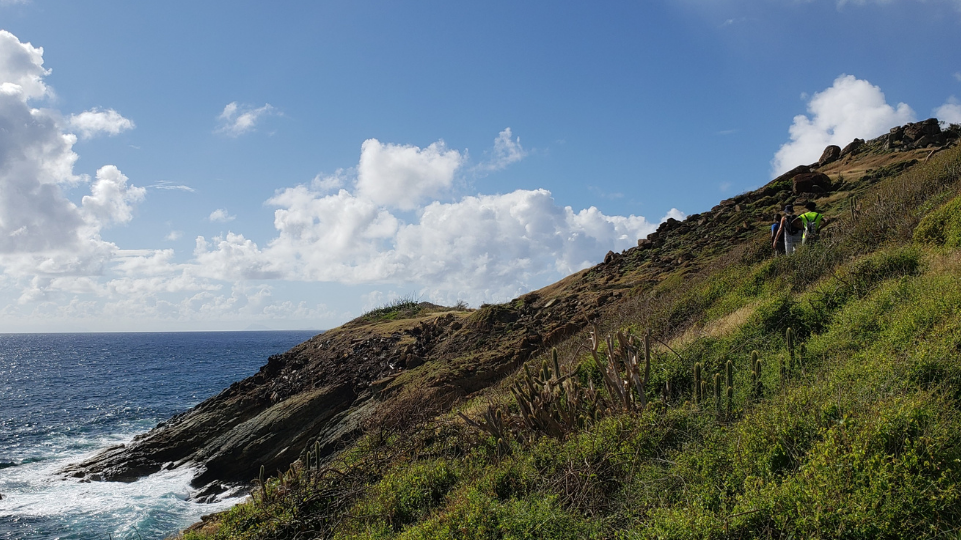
(829, 406)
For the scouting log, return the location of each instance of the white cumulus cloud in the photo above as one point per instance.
(402, 176)
(950, 112)
(111, 198)
(851, 108)
(21, 68)
(42, 233)
(478, 248)
(96, 121)
(235, 120)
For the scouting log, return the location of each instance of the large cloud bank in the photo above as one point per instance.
(393, 218)
(41, 231)
(389, 228)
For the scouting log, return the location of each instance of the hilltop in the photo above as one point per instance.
(418, 420)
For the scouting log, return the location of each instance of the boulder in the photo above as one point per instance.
(852, 147)
(812, 182)
(913, 132)
(830, 154)
(800, 169)
(931, 126)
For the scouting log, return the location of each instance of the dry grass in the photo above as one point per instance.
(716, 328)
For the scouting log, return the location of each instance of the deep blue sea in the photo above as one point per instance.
(65, 396)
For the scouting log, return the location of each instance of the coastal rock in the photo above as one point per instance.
(325, 392)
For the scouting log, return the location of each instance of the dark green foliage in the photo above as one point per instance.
(941, 227)
(400, 308)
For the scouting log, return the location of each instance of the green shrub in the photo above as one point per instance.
(941, 227)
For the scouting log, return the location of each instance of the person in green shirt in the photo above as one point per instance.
(811, 222)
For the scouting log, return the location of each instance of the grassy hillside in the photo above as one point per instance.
(849, 428)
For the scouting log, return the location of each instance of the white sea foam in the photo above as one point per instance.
(152, 507)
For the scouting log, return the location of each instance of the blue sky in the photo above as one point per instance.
(222, 165)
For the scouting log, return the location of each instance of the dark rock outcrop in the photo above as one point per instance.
(852, 148)
(830, 155)
(812, 182)
(800, 169)
(913, 136)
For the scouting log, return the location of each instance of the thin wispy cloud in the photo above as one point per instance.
(605, 194)
(507, 150)
(842, 3)
(171, 186)
(957, 76)
(236, 119)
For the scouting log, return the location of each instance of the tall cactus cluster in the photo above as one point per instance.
(494, 422)
(311, 457)
(627, 393)
(554, 404)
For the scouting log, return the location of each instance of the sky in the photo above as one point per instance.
(180, 166)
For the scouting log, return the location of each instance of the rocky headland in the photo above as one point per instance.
(392, 366)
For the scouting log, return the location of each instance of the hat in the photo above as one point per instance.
(789, 208)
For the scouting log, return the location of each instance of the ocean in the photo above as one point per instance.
(66, 396)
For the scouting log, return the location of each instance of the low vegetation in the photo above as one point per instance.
(810, 396)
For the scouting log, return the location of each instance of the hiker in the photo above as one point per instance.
(790, 230)
(810, 223)
(778, 242)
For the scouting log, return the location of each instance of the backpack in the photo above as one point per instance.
(810, 225)
(793, 225)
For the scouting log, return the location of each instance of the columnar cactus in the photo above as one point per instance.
(755, 374)
(789, 339)
(629, 393)
(697, 382)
